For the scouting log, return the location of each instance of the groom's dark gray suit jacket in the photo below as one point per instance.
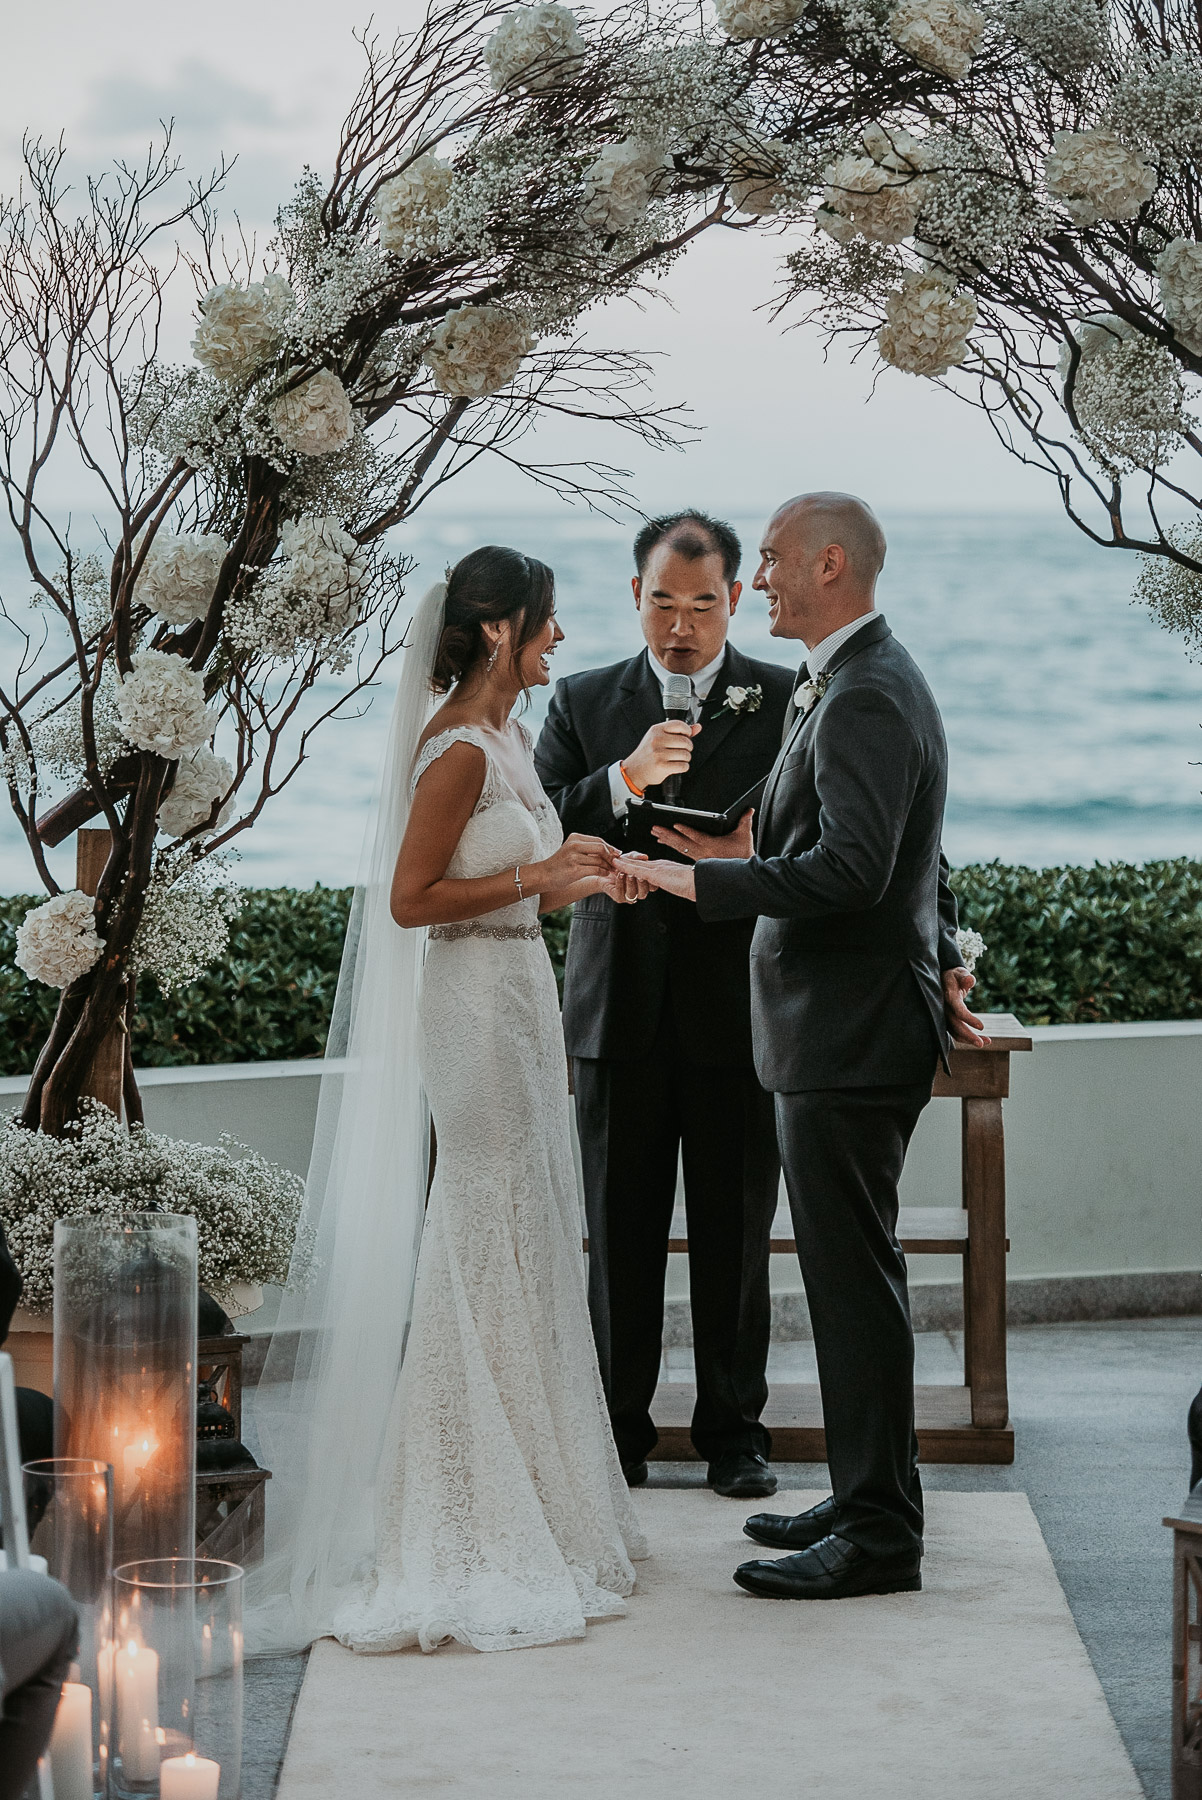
(855, 917)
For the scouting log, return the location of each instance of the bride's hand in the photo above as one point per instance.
(579, 858)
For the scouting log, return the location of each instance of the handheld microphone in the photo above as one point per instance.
(678, 704)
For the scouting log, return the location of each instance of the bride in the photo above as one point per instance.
(445, 1469)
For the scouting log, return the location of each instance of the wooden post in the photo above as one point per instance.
(985, 1284)
(104, 1078)
(1186, 1526)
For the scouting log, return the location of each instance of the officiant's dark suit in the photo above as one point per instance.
(657, 1021)
(855, 925)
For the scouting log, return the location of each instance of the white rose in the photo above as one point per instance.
(57, 941)
(477, 350)
(1096, 176)
(943, 34)
(161, 705)
(758, 18)
(535, 47)
(180, 573)
(1179, 269)
(410, 201)
(200, 780)
(241, 327)
(316, 418)
(927, 325)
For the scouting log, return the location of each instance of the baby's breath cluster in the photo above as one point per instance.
(308, 596)
(186, 919)
(246, 1209)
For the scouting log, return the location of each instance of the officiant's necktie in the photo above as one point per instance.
(792, 710)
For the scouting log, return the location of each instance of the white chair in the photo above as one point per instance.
(12, 1517)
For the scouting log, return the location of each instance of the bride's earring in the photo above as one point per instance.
(491, 664)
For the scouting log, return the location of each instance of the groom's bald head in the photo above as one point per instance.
(819, 559)
(829, 518)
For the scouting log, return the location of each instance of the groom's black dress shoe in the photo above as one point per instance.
(635, 1473)
(832, 1569)
(741, 1475)
(799, 1532)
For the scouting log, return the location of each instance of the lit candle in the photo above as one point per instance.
(135, 1456)
(71, 1743)
(138, 1711)
(188, 1778)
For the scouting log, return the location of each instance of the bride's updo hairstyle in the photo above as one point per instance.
(488, 586)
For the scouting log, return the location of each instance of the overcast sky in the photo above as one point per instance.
(269, 82)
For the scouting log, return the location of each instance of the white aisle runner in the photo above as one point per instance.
(979, 1688)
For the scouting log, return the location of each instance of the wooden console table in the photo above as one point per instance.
(969, 1424)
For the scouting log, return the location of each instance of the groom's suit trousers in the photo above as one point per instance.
(843, 1150)
(636, 1119)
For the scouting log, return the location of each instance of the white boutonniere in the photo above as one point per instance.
(810, 693)
(741, 700)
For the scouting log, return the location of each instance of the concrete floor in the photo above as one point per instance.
(1099, 1413)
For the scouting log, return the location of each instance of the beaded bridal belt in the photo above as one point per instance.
(474, 928)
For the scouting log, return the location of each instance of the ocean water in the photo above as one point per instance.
(1072, 719)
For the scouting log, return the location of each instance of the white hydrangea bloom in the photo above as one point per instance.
(1129, 400)
(971, 946)
(758, 18)
(927, 325)
(877, 192)
(309, 595)
(316, 418)
(1100, 331)
(755, 170)
(57, 941)
(477, 350)
(942, 34)
(180, 573)
(200, 779)
(1096, 176)
(161, 705)
(1179, 269)
(241, 327)
(535, 47)
(407, 206)
(619, 185)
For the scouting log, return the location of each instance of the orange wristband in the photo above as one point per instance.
(636, 791)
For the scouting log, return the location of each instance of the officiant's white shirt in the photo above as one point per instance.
(702, 681)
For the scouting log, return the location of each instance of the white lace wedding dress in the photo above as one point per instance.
(503, 1519)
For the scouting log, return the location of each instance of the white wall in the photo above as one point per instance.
(1103, 1135)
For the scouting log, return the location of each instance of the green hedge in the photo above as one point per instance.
(1116, 941)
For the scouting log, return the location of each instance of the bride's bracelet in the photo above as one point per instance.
(517, 881)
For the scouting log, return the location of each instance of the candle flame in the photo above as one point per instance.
(131, 1648)
(190, 1760)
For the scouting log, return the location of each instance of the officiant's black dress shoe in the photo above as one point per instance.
(832, 1569)
(742, 1475)
(635, 1473)
(801, 1531)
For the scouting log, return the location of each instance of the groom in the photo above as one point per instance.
(657, 1012)
(857, 990)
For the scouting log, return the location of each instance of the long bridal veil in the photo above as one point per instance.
(323, 1403)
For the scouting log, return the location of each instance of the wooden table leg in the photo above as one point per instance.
(985, 1281)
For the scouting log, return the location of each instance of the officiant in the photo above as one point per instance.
(657, 1011)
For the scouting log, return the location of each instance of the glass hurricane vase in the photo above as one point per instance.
(177, 1679)
(125, 1369)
